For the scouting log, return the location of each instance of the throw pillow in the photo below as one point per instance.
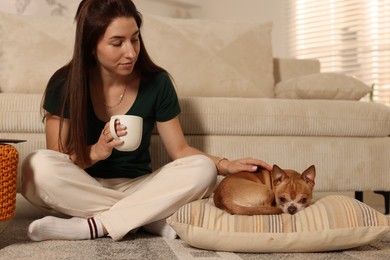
(213, 58)
(332, 223)
(329, 85)
(32, 48)
(206, 58)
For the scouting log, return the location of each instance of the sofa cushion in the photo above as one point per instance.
(322, 86)
(332, 223)
(237, 116)
(32, 48)
(287, 68)
(206, 58)
(20, 113)
(213, 58)
(283, 117)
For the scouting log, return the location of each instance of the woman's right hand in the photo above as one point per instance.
(102, 149)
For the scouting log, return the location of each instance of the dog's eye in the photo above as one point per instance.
(303, 201)
(282, 199)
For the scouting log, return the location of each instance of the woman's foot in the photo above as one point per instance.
(53, 228)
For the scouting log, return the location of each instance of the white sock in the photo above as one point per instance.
(161, 228)
(53, 228)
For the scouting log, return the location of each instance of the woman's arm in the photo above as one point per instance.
(176, 145)
(52, 131)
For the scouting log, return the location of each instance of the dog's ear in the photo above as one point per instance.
(278, 174)
(309, 175)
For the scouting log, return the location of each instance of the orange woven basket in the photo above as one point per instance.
(9, 159)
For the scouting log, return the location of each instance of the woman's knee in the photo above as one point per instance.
(209, 171)
(37, 169)
(29, 170)
(205, 175)
(33, 163)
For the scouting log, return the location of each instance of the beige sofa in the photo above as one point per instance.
(237, 99)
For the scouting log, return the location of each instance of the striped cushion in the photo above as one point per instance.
(332, 223)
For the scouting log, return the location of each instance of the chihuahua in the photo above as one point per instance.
(264, 192)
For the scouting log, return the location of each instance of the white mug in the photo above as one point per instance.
(133, 138)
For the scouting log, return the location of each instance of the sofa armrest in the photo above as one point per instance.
(20, 113)
(285, 68)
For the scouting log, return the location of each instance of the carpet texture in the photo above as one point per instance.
(15, 245)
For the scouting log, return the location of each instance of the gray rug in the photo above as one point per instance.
(14, 245)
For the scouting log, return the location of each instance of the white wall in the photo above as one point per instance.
(40, 7)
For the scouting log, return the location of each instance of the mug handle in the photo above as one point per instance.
(112, 127)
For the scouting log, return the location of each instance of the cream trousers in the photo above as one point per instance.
(52, 182)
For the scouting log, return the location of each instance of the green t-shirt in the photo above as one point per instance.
(156, 101)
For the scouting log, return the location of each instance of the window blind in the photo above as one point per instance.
(351, 36)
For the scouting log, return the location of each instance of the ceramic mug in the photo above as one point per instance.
(133, 138)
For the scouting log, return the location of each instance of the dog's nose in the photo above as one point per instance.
(292, 210)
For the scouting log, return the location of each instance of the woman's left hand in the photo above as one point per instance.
(227, 167)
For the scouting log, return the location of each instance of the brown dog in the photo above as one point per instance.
(264, 192)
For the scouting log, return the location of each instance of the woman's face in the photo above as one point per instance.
(117, 51)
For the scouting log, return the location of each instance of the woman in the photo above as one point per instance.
(80, 175)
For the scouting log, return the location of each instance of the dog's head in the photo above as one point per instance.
(293, 191)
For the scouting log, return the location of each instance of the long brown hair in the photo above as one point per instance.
(92, 19)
